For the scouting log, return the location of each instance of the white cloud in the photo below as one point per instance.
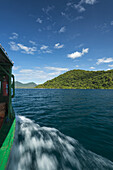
(57, 68)
(77, 66)
(111, 22)
(80, 7)
(78, 54)
(26, 71)
(27, 50)
(62, 29)
(54, 73)
(85, 50)
(39, 20)
(32, 42)
(104, 60)
(75, 55)
(13, 46)
(58, 46)
(14, 36)
(91, 2)
(43, 47)
(110, 65)
(37, 75)
(47, 51)
(92, 68)
(16, 67)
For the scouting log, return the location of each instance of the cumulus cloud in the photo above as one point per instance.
(43, 47)
(57, 68)
(62, 29)
(14, 36)
(110, 65)
(25, 49)
(104, 60)
(39, 20)
(80, 6)
(85, 51)
(75, 55)
(78, 54)
(92, 68)
(13, 46)
(58, 46)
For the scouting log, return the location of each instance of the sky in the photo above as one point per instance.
(46, 38)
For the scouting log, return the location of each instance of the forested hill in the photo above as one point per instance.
(81, 79)
(26, 85)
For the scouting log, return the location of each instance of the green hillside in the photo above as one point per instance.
(26, 85)
(81, 79)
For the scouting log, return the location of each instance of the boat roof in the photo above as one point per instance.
(4, 56)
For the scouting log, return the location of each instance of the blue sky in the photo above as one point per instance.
(46, 38)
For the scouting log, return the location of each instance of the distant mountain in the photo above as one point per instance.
(81, 79)
(26, 85)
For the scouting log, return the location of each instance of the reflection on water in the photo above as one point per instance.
(43, 148)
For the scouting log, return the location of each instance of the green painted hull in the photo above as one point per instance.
(6, 146)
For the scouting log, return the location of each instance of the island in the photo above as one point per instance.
(80, 79)
(19, 85)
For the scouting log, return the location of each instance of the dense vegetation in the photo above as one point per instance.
(81, 79)
(20, 85)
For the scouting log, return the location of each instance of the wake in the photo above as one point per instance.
(43, 148)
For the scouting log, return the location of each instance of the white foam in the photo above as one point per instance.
(47, 162)
(43, 148)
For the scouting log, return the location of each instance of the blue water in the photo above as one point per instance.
(63, 129)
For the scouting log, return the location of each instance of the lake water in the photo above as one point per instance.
(63, 130)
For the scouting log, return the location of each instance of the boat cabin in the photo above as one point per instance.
(7, 90)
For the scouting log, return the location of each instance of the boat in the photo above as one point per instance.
(7, 115)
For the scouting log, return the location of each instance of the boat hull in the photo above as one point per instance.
(5, 149)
